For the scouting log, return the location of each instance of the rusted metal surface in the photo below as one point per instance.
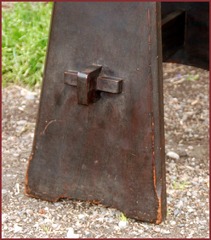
(109, 84)
(111, 151)
(86, 85)
(89, 84)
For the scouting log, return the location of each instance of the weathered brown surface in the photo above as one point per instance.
(111, 151)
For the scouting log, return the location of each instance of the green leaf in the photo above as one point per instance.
(123, 218)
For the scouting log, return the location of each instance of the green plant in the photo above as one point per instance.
(123, 218)
(45, 228)
(25, 28)
(192, 77)
(180, 185)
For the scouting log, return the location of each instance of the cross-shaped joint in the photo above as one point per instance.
(89, 84)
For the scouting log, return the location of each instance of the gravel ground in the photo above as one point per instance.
(186, 128)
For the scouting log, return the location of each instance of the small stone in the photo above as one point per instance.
(27, 94)
(81, 216)
(173, 155)
(87, 233)
(17, 188)
(4, 191)
(157, 229)
(173, 223)
(116, 228)
(57, 204)
(17, 228)
(194, 102)
(42, 211)
(30, 96)
(174, 100)
(56, 226)
(29, 211)
(21, 108)
(21, 122)
(190, 210)
(71, 234)
(17, 219)
(16, 154)
(189, 194)
(5, 227)
(140, 231)
(4, 217)
(165, 231)
(182, 153)
(122, 224)
(180, 204)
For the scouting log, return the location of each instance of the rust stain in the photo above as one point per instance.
(159, 212)
(94, 202)
(27, 189)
